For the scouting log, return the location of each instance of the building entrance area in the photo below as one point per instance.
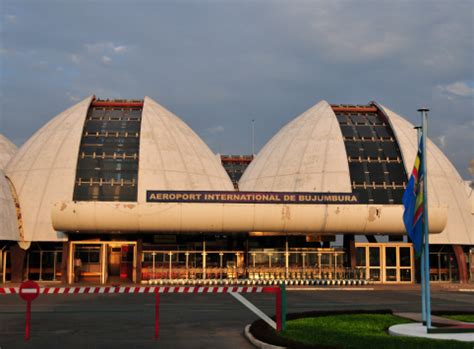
(102, 262)
(386, 262)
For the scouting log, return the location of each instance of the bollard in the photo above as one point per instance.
(278, 310)
(283, 307)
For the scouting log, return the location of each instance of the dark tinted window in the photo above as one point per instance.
(375, 158)
(107, 167)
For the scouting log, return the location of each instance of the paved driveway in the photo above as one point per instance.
(187, 321)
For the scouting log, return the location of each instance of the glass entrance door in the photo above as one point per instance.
(386, 262)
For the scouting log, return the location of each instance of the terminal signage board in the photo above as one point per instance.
(246, 197)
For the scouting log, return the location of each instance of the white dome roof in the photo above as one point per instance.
(174, 157)
(445, 185)
(9, 225)
(7, 150)
(306, 155)
(43, 171)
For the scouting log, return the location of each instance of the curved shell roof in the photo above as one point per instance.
(7, 150)
(306, 155)
(445, 185)
(174, 157)
(8, 226)
(44, 169)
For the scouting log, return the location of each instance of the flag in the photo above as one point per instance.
(413, 202)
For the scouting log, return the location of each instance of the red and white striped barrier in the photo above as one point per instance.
(157, 290)
(146, 289)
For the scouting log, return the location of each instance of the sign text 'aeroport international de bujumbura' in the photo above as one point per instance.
(246, 197)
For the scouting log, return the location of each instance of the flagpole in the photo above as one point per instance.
(422, 258)
(426, 254)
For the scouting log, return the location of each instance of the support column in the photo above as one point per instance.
(17, 257)
(138, 266)
(462, 263)
(349, 248)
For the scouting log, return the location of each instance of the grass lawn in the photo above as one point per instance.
(461, 317)
(363, 331)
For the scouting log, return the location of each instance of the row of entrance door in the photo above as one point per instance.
(104, 262)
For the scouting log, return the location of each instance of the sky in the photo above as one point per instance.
(221, 64)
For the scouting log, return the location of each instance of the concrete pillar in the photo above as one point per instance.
(462, 263)
(138, 266)
(17, 257)
(64, 262)
(349, 248)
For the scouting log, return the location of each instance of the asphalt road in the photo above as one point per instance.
(186, 321)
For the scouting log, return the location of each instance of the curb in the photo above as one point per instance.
(257, 343)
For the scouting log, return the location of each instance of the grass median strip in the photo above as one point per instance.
(460, 317)
(358, 331)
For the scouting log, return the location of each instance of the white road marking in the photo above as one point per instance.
(254, 309)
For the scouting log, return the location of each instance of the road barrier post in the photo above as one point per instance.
(283, 307)
(278, 310)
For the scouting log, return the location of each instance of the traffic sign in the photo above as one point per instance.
(29, 290)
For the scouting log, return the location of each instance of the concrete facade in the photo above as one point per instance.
(44, 169)
(445, 185)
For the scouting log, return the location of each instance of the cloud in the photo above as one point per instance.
(218, 65)
(215, 129)
(105, 47)
(458, 88)
(75, 58)
(120, 49)
(10, 18)
(73, 98)
(442, 141)
(106, 60)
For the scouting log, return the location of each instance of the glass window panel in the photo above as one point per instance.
(341, 118)
(374, 256)
(94, 126)
(382, 131)
(360, 256)
(405, 274)
(325, 259)
(405, 260)
(371, 149)
(354, 149)
(348, 131)
(391, 274)
(380, 196)
(374, 119)
(374, 275)
(390, 150)
(362, 194)
(359, 119)
(364, 131)
(96, 113)
(396, 172)
(376, 172)
(397, 195)
(357, 171)
(391, 256)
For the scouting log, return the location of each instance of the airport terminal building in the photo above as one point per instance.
(114, 191)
